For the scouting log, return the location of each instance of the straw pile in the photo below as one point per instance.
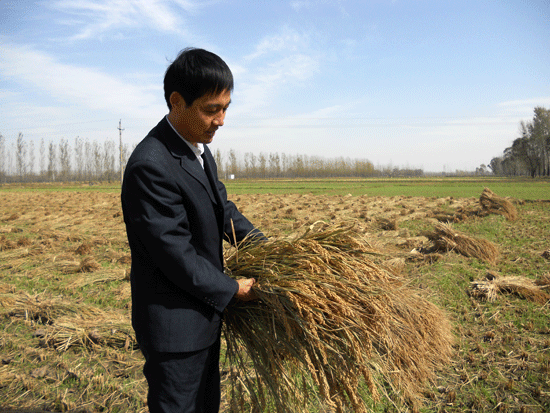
(81, 334)
(493, 285)
(446, 238)
(330, 327)
(65, 324)
(492, 203)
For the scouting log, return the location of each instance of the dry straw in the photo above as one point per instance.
(86, 334)
(42, 308)
(446, 238)
(494, 284)
(330, 327)
(492, 203)
(64, 324)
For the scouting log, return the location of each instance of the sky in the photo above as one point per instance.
(432, 84)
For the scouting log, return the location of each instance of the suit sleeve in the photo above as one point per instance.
(234, 219)
(154, 211)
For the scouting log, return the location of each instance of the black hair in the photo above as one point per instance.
(195, 73)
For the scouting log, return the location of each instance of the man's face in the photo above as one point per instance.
(198, 123)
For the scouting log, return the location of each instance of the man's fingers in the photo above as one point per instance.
(245, 292)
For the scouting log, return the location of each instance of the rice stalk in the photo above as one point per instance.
(43, 309)
(446, 238)
(86, 264)
(544, 281)
(68, 325)
(89, 335)
(492, 203)
(329, 323)
(493, 285)
(13, 254)
(98, 277)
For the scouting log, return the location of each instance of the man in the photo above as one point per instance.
(177, 214)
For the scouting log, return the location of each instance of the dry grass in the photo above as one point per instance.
(328, 319)
(492, 203)
(489, 203)
(88, 334)
(494, 284)
(446, 238)
(42, 308)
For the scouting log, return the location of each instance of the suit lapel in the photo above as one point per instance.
(209, 164)
(188, 160)
(211, 175)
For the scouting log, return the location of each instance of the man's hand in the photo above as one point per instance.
(245, 292)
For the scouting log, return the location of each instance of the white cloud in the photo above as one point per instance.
(287, 40)
(81, 87)
(258, 86)
(524, 107)
(94, 18)
(521, 102)
(279, 61)
(299, 5)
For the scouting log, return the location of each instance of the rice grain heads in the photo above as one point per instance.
(494, 284)
(492, 203)
(330, 327)
(447, 238)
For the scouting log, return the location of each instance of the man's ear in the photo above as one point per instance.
(176, 100)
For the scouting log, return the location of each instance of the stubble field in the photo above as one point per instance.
(67, 344)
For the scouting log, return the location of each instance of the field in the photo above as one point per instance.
(67, 345)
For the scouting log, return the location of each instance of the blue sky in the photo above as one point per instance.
(437, 85)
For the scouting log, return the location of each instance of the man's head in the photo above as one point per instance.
(195, 73)
(197, 88)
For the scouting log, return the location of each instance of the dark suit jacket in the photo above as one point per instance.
(176, 216)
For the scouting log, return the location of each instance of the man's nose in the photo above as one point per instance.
(218, 120)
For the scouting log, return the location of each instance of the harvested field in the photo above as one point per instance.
(67, 344)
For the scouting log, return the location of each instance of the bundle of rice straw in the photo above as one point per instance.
(330, 326)
(446, 238)
(493, 285)
(492, 203)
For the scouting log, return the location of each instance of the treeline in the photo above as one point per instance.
(61, 161)
(94, 162)
(275, 165)
(529, 154)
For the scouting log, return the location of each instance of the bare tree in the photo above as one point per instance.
(52, 162)
(79, 159)
(232, 167)
(42, 160)
(109, 150)
(263, 165)
(88, 160)
(284, 163)
(65, 159)
(274, 165)
(219, 162)
(20, 157)
(31, 169)
(98, 161)
(10, 161)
